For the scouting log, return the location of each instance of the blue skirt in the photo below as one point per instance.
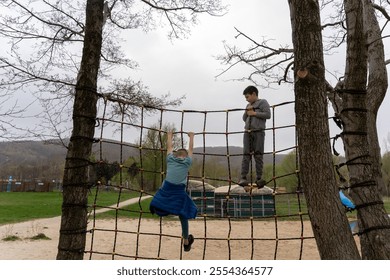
(172, 199)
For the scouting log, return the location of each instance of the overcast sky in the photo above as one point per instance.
(189, 67)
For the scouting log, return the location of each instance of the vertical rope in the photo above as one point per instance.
(159, 238)
(162, 150)
(250, 194)
(142, 178)
(182, 146)
(274, 178)
(161, 177)
(228, 150)
(116, 224)
(298, 192)
(203, 181)
(101, 131)
(121, 144)
(97, 187)
(94, 222)
(228, 194)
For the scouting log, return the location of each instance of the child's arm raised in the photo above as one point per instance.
(191, 144)
(169, 142)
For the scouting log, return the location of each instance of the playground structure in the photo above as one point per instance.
(234, 204)
(241, 214)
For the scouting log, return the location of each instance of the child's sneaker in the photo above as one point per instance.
(260, 183)
(187, 247)
(243, 183)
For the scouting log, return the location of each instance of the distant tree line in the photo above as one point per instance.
(149, 173)
(215, 170)
(48, 170)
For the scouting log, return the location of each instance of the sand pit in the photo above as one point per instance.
(211, 240)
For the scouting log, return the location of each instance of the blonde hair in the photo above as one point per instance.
(181, 153)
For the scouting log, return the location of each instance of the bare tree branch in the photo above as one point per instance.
(268, 62)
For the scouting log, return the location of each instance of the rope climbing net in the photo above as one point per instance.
(270, 223)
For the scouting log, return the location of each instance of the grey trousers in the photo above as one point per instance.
(253, 145)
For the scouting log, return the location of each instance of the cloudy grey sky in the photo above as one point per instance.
(189, 67)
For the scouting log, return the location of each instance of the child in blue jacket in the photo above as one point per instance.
(172, 198)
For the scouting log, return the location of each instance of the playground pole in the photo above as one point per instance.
(9, 184)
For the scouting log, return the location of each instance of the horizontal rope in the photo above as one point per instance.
(352, 91)
(73, 231)
(367, 204)
(368, 230)
(74, 205)
(363, 184)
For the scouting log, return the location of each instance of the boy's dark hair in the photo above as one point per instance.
(250, 90)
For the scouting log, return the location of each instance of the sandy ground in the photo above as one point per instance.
(150, 239)
(214, 240)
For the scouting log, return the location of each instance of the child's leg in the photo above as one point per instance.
(246, 158)
(258, 146)
(184, 228)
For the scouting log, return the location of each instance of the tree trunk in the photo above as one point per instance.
(76, 182)
(372, 218)
(377, 87)
(329, 222)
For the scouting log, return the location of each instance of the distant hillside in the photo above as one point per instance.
(33, 159)
(112, 152)
(22, 152)
(234, 152)
(219, 155)
(29, 152)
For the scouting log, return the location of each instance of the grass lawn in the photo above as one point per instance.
(18, 207)
(23, 206)
(289, 207)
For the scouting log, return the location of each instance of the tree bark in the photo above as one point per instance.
(76, 182)
(373, 220)
(376, 89)
(329, 222)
